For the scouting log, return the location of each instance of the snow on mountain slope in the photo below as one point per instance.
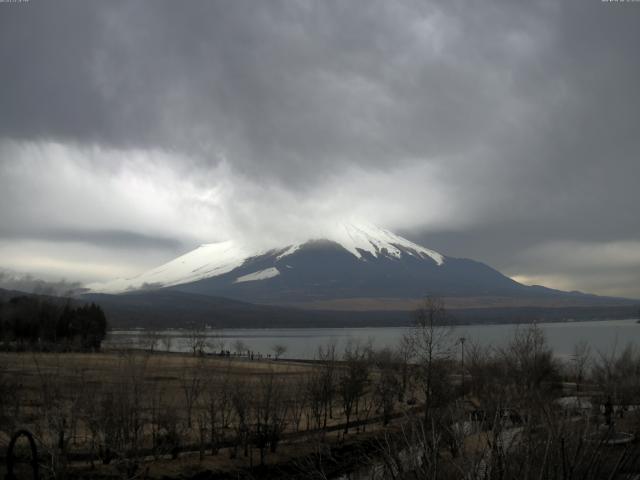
(374, 240)
(212, 260)
(261, 275)
(205, 261)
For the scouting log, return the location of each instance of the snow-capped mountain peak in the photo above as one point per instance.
(358, 238)
(216, 259)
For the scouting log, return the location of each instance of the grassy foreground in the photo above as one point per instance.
(176, 414)
(415, 412)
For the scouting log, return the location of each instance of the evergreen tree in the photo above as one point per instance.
(31, 322)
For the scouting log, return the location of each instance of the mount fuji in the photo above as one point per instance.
(351, 267)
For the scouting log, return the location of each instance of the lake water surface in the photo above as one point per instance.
(303, 343)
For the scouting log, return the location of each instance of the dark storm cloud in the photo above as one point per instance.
(299, 88)
(290, 88)
(500, 130)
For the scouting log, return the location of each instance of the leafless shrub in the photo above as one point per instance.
(431, 346)
(386, 383)
(268, 413)
(192, 385)
(240, 400)
(353, 380)
(298, 401)
(196, 339)
(57, 413)
(150, 340)
(167, 342)
(618, 375)
(580, 360)
(116, 415)
(327, 379)
(11, 398)
(239, 347)
(217, 408)
(278, 350)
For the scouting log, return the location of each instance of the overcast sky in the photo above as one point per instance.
(507, 132)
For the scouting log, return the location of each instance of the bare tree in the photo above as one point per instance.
(580, 362)
(530, 363)
(431, 342)
(240, 400)
(487, 375)
(316, 399)
(327, 381)
(218, 407)
(239, 347)
(386, 382)
(216, 340)
(131, 394)
(156, 394)
(170, 430)
(298, 401)
(11, 399)
(268, 412)
(366, 406)
(191, 384)
(278, 350)
(353, 380)
(404, 355)
(150, 340)
(114, 414)
(560, 450)
(618, 375)
(196, 339)
(167, 342)
(57, 412)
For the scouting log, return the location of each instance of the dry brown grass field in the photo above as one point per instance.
(147, 404)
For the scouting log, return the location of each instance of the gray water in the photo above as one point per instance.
(303, 343)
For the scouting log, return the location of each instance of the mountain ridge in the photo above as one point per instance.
(167, 308)
(215, 259)
(354, 262)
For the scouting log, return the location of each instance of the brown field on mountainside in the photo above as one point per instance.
(453, 303)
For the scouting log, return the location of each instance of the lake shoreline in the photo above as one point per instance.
(303, 343)
(123, 331)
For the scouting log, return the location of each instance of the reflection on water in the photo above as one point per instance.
(304, 342)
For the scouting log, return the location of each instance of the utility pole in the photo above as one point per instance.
(462, 340)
